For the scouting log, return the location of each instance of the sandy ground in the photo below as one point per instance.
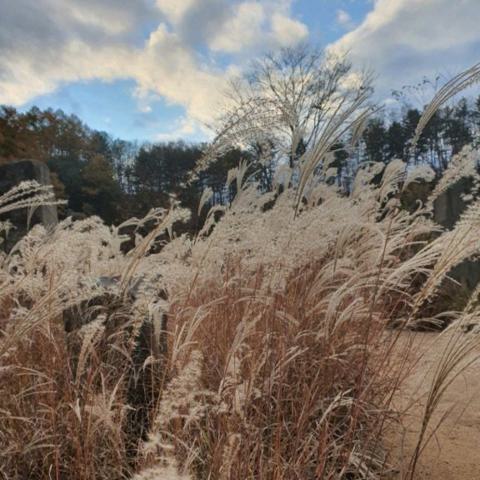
(454, 451)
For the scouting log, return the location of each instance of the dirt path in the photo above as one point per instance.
(454, 451)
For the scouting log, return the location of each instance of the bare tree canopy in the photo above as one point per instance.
(293, 102)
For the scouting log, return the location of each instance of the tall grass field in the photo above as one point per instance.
(264, 347)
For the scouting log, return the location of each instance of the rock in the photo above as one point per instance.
(418, 186)
(145, 378)
(144, 373)
(447, 209)
(467, 274)
(331, 176)
(449, 205)
(370, 173)
(13, 173)
(414, 194)
(110, 299)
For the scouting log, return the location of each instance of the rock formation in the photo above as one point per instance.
(13, 173)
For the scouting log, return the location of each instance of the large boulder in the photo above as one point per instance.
(13, 173)
(147, 350)
(447, 210)
(418, 186)
(450, 204)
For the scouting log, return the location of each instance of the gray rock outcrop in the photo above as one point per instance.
(449, 205)
(13, 173)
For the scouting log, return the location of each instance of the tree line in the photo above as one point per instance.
(117, 179)
(104, 176)
(449, 130)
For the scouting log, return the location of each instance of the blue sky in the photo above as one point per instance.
(157, 69)
(112, 107)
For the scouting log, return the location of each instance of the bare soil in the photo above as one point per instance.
(453, 453)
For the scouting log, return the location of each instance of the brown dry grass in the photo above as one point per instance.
(275, 366)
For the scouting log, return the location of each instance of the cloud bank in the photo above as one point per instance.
(168, 47)
(405, 40)
(184, 51)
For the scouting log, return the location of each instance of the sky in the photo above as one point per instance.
(157, 70)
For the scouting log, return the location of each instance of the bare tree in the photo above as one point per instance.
(293, 100)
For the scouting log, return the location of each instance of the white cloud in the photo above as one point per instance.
(286, 31)
(24, 78)
(169, 68)
(184, 127)
(174, 9)
(145, 108)
(242, 30)
(405, 40)
(344, 19)
(47, 43)
(253, 25)
(99, 17)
